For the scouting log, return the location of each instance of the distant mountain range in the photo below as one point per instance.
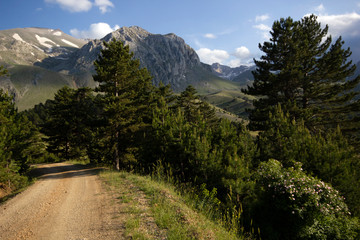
(41, 61)
(241, 74)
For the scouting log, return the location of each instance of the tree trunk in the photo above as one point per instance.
(116, 152)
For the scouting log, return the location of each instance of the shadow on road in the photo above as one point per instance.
(64, 170)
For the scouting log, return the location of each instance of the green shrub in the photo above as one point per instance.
(294, 205)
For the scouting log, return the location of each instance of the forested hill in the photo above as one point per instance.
(299, 178)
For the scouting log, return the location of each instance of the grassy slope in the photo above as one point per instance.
(158, 212)
(219, 92)
(232, 101)
(207, 83)
(35, 85)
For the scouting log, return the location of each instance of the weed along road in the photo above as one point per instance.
(67, 202)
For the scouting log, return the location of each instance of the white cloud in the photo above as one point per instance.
(264, 30)
(73, 5)
(95, 31)
(235, 63)
(320, 8)
(343, 24)
(241, 56)
(212, 56)
(242, 52)
(262, 18)
(103, 5)
(210, 35)
(82, 5)
(262, 27)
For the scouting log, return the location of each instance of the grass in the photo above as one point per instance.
(207, 83)
(35, 85)
(158, 212)
(233, 101)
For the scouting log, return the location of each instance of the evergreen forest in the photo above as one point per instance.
(292, 172)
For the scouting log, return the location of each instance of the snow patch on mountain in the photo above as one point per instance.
(17, 37)
(57, 33)
(44, 41)
(69, 43)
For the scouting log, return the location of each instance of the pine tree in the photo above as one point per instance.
(59, 126)
(305, 73)
(126, 88)
(194, 108)
(68, 122)
(19, 143)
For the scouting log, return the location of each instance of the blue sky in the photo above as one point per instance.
(226, 31)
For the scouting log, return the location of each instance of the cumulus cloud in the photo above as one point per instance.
(95, 31)
(343, 24)
(104, 5)
(262, 18)
(210, 35)
(240, 56)
(82, 5)
(73, 5)
(213, 56)
(242, 52)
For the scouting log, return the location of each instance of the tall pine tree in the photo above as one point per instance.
(306, 73)
(126, 88)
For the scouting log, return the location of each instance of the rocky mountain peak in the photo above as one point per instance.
(167, 57)
(129, 34)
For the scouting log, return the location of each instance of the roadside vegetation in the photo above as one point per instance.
(298, 178)
(159, 212)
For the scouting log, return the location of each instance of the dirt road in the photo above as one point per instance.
(67, 202)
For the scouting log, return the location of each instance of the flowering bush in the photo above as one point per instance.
(298, 206)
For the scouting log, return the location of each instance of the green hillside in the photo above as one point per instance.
(230, 100)
(35, 85)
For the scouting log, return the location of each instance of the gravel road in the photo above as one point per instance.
(67, 202)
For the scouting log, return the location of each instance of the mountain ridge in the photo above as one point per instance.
(32, 53)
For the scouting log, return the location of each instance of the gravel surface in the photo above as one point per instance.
(67, 202)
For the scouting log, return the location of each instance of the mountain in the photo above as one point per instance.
(228, 72)
(28, 46)
(41, 60)
(168, 58)
(241, 74)
(21, 50)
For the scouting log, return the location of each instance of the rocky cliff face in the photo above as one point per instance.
(168, 58)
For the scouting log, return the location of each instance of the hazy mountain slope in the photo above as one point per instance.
(43, 60)
(21, 50)
(30, 85)
(27, 46)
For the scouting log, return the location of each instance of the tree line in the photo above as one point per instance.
(299, 178)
